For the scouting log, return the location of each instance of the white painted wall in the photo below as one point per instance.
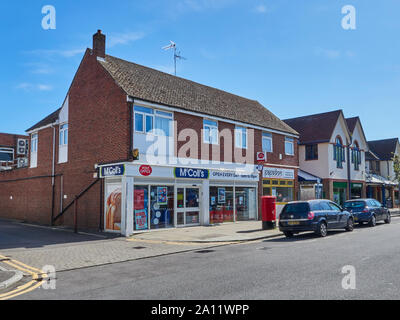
(63, 118)
(319, 167)
(359, 137)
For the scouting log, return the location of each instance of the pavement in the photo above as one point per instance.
(303, 267)
(223, 233)
(38, 246)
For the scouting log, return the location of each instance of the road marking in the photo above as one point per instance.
(38, 278)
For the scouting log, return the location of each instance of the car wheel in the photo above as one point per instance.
(288, 234)
(322, 230)
(350, 225)
(372, 222)
(388, 219)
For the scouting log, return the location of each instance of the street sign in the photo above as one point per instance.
(261, 156)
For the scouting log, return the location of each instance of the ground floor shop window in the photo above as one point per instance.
(221, 205)
(283, 190)
(356, 190)
(140, 208)
(113, 207)
(340, 192)
(229, 204)
(161, 207)
(246, 207)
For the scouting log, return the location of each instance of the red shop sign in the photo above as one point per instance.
(145, 170)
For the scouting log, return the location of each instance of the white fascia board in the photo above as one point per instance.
(159, 106)
(41, 128)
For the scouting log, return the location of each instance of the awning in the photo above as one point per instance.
(308, 177)
(374, 179)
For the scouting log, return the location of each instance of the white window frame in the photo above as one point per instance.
(269, 137)
(8, 150)
(288, 141)
(34, 149)
(63, 133)
(155, 113)
(208, 140)
(239, 131)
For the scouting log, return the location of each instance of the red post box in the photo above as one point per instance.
(268, 212)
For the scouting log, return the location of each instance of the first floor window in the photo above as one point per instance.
(148, 120)
(267, 142)
(339, 153)
(64, 134)
(210, 131)
(34, 143)
(241, 137)
(7, 154)
(312, 152)
(289, 146)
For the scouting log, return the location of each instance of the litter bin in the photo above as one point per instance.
(268, 212)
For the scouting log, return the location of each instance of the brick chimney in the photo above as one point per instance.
(99, 44)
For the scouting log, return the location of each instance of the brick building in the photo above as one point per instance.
(146, 150)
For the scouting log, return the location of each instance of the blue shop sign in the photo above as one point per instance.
(189, 173)
(112, 171)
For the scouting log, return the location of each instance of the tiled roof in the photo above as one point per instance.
(316, 128)
(158, 87)
(46, 121)
(384, 149)
(351, 123)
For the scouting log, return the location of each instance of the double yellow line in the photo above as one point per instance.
(38, 278)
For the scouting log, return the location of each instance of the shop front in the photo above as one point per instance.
(279, 183)
(340, 192)
(140, 197)
(357, 190)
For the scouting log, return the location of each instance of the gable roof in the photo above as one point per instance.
(384, 149)
(158, 87)
(351, 123)
(315, 128)
(46, 121)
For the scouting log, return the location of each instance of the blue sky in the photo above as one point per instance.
(292, 56)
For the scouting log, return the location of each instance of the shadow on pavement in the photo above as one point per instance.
(19, 235)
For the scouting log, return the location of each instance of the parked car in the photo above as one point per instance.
(314, 215)
(368, 211)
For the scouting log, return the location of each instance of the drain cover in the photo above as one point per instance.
(264, 248)
(139, 248)
(205, 251)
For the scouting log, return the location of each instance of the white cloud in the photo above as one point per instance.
(124, 38)
(26, 86)
(63, 53)
(328, 53)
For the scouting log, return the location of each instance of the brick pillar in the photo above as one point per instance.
(364, 191)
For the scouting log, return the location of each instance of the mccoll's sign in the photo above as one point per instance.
(190, 173)
(113, 171)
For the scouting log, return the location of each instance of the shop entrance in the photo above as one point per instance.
(188, 206)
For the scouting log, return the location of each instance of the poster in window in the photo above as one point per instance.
(113, 207)
(221, 195)
(141, 219)
(162, 196)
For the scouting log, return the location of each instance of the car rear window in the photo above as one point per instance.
(316, 206)
(296, 208)
(354, 204)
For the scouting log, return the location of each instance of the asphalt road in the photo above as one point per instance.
(305, 267)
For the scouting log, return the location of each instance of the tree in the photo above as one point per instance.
(396, 169)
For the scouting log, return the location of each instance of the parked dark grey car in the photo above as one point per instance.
(314, 215)
(368, 211)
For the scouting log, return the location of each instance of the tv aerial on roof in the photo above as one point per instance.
(177, 54)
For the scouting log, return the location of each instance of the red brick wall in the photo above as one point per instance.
(98, 132)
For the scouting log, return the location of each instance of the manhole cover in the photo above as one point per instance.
(205, 251)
